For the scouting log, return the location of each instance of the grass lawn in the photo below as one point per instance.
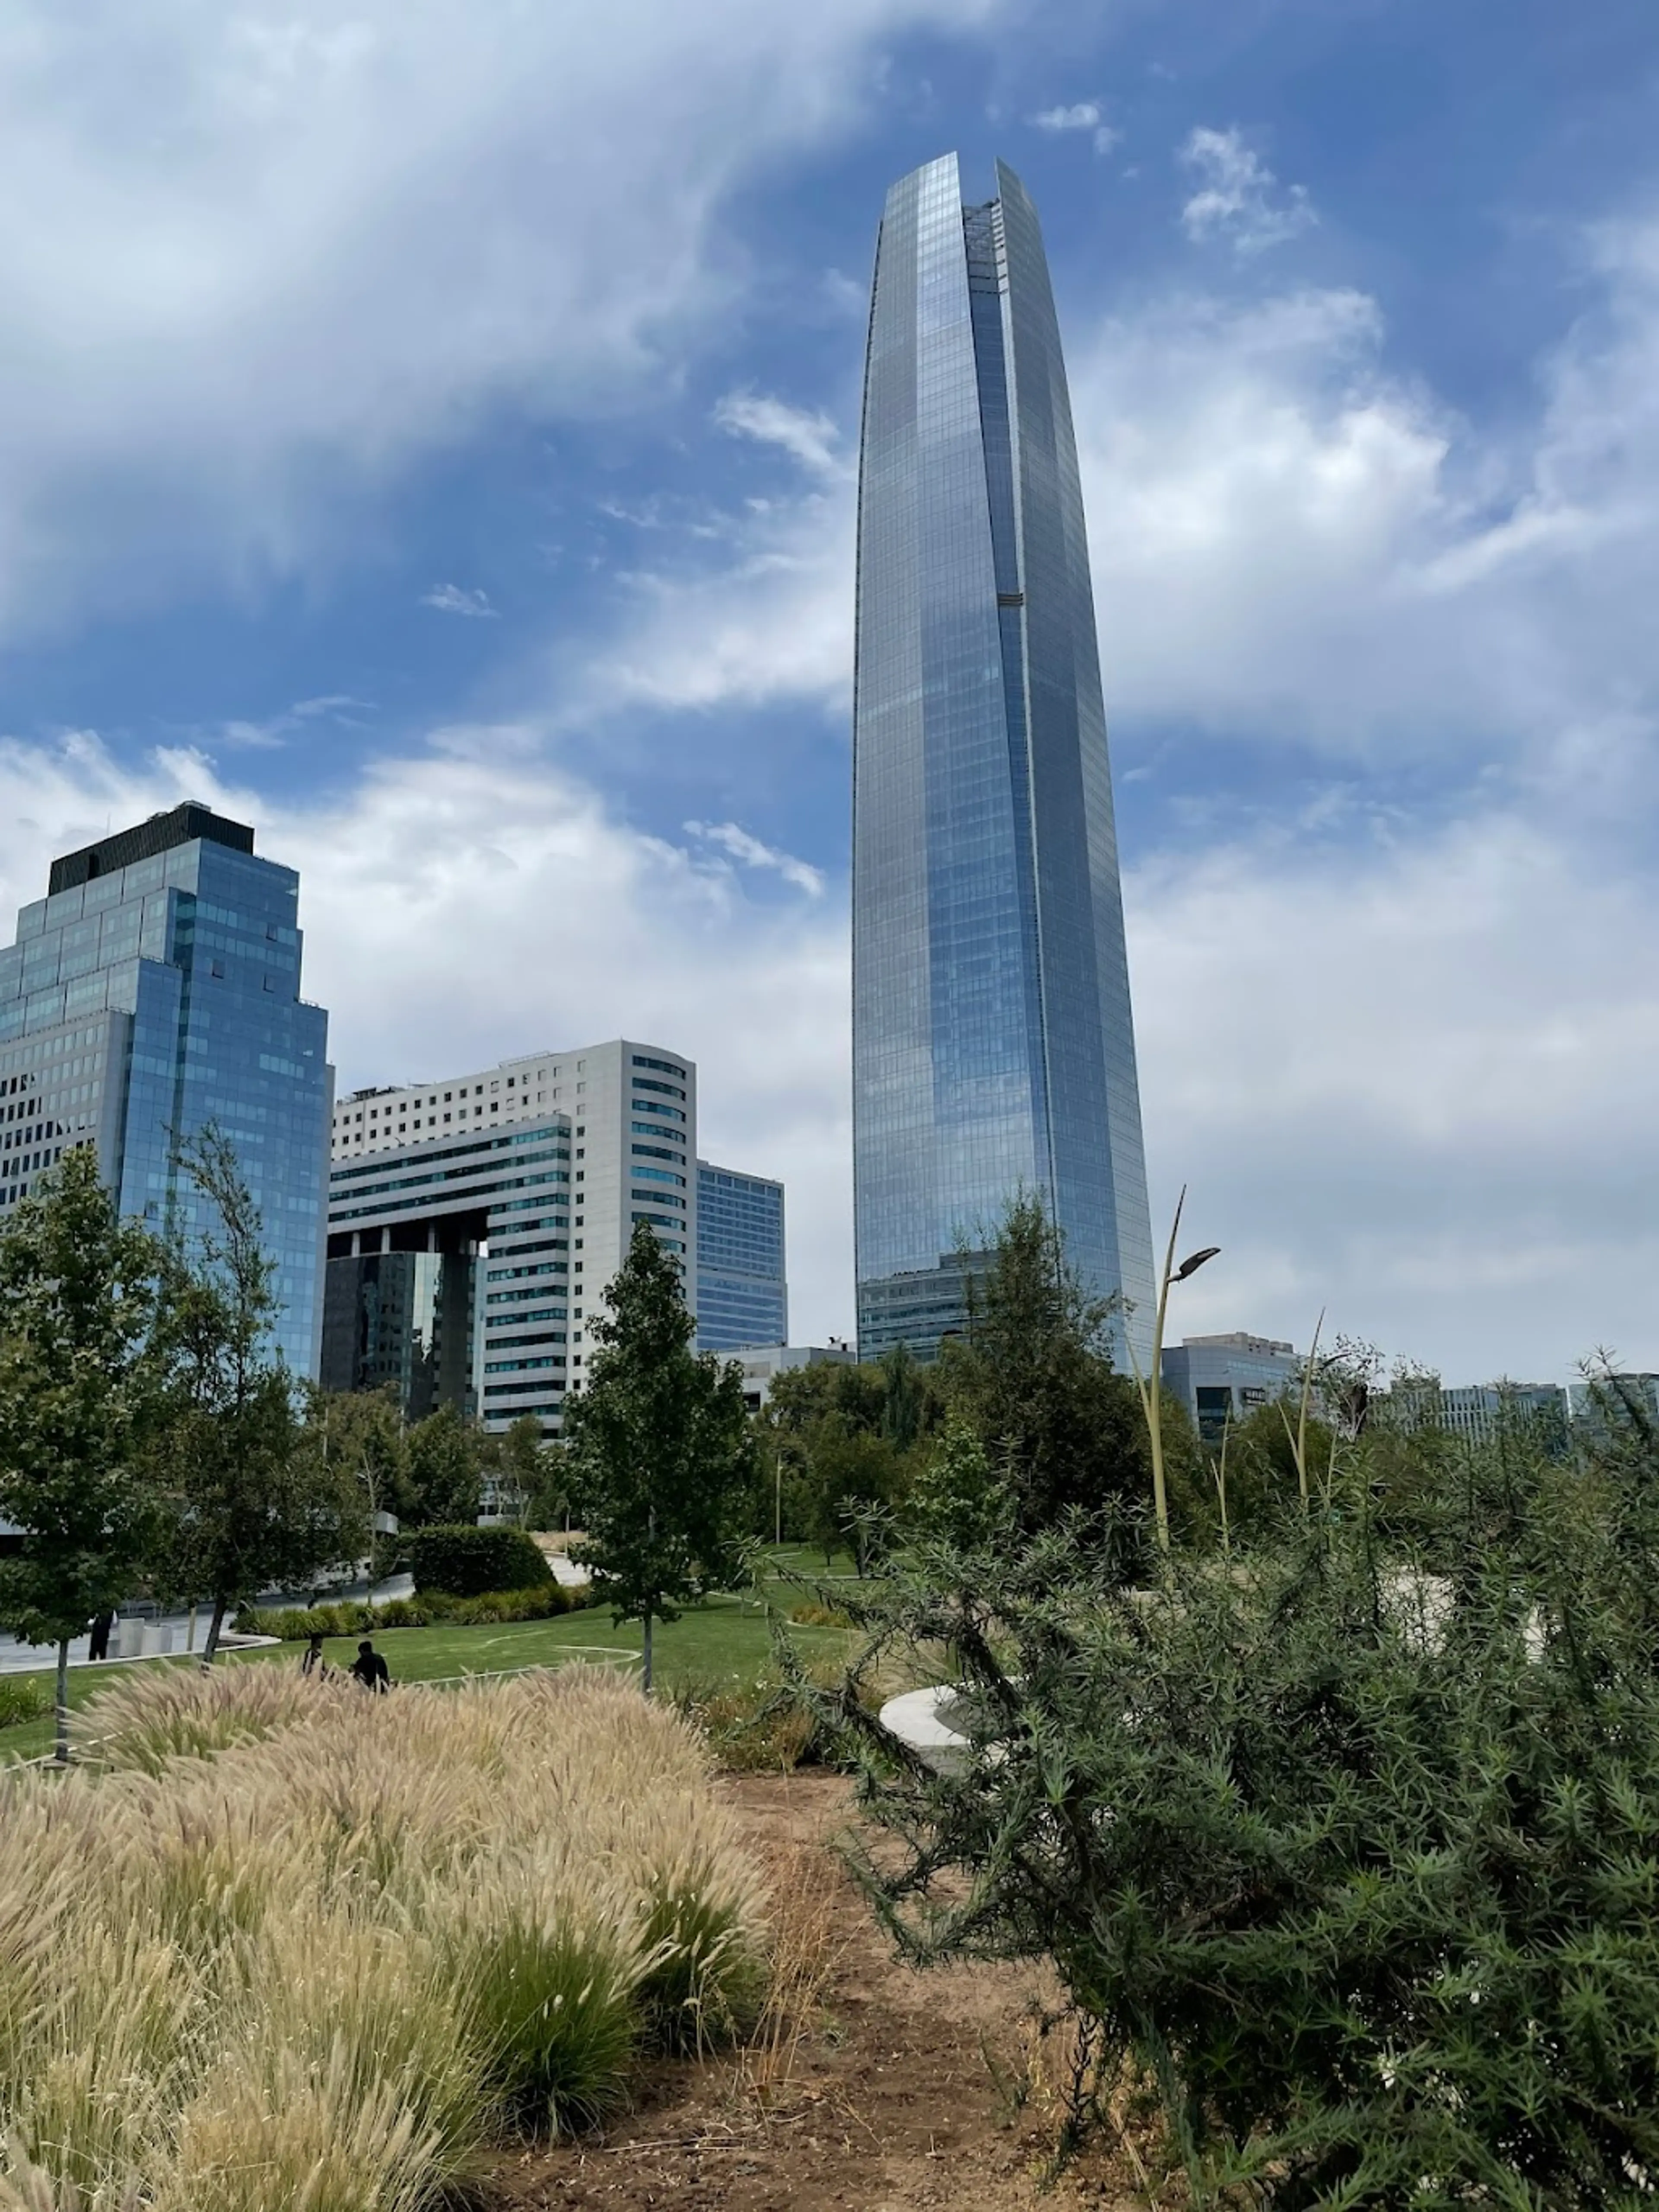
(725, 1637)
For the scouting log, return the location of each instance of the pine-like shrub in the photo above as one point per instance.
(1356, 1862)
(468, 1562)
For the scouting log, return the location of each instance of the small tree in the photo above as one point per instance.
(361, 1432)
(77, 1304)
(661, 1445)
(1033, 1379)
(248, 1508)
(445, 1463)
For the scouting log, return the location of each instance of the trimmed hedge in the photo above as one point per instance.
(293, 1623)
(470, 1562)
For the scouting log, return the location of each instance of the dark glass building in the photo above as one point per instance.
(992, 1047)
(155, 989)
(742, 1296)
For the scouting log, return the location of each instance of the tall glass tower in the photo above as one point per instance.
(154, 989)
(992, 1047)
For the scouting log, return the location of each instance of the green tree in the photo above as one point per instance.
(444, 1459)
(958, 1498)
(662, 1448)
(76, 1307)
(1033, 1378)
(855, 1482)
(362, 1429)
(248, 1508)
(517, 1459)
(905, 1400)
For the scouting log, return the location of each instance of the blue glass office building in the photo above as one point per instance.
(154, 989)
(743, 1297)
(992, 1042)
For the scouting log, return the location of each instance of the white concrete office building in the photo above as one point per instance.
(527, 1179)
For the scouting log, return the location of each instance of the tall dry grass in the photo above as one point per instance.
(298, 1947)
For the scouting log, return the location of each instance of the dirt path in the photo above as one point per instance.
(903, 2095)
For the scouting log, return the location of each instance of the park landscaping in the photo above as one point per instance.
(291, 1944)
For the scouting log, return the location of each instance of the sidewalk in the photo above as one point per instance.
(17, 1658)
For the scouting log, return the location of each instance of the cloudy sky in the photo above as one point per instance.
(428, 430)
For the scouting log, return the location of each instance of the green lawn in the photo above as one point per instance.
(725, 1637)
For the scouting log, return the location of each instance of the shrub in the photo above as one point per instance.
(467, 1562)
(1356, 1863)
(21, 1698)
(556, 1999)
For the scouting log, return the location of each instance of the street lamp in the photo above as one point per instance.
(1152, 1390)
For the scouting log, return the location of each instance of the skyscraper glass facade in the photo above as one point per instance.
(743, 1297)
(992, 1042)
(154, 990)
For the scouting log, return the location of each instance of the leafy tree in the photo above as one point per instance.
(1033, 1378)
(248, 1507)
(77, 1396)
(662, 1447)
(362, 1430)
(906, 1401)
(958, 1499)
(516, 1457)
(444, 1458)
(855, 1482)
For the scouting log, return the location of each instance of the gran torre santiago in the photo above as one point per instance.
(993, 1046)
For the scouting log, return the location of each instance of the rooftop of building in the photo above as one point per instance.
(180, 825)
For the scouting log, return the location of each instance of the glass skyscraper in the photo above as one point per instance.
(992, 1047)
(155, 989)
(743, 1297)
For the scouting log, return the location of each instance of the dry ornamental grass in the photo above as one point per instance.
(305, 1948)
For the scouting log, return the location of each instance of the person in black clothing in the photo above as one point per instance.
(370, 1669)
(98, 1646)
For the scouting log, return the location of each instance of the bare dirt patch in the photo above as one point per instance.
(891, 2091)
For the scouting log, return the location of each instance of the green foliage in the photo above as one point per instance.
(21, 1698)
(247, 1506)
(556, 2010)
(78, 1401)
(362, 1432)
(958, 1499)
(1357, 1863)
(662, 1448)
(466, 1561)
(443, 1471)
(1033, 1379)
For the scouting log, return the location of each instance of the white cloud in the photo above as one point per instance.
(812, 438)
(1237, 196)
(752, 853)
(1081, 115)
(1410, 1077)
(267, 255)
(457, 599)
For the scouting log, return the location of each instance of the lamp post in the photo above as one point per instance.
(1151, 1388)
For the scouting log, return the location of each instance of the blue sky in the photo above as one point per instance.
(430, 432)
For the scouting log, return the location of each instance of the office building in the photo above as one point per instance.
(992, 1042)
(518, 1186)
(1225, 1378)
(742, 1296)
(763, 1363)
(154, 990)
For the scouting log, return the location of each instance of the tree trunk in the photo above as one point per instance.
(62, 1701)
(210, 1648)
(645, 1679)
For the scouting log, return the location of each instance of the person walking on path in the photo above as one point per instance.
(313, 1661)
(370, 1669)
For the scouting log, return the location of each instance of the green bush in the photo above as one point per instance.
(21, 1698)
(468, 1562)
(1357, 1863)
(293, 1624)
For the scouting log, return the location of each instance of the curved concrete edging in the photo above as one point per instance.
(921, 1719)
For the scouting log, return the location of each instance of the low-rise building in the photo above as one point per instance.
(763, 1363)
(1223, 1379)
